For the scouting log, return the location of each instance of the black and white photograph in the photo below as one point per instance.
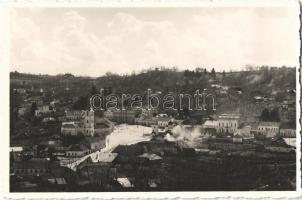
(153, 99)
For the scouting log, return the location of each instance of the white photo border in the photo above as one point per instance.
(6, 5)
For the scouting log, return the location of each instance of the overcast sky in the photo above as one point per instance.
(93, 41)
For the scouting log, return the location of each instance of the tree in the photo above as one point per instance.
(213, 73)
(205, 71)
(33, 108)
(223, 74)
(274, 115)
(93, 90)
(265, 115)
(81, 103)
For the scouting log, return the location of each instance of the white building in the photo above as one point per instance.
(163, 125)
(77, 150)
(41, 110)
(211, 124)
(268, 129)
(244, 132)
(228, 123)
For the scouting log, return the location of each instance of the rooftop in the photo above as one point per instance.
(269, 124)
(77, 147)
(103, 157)
(288, 125)
(93, 139)
(150, 156)
(125, 182)
(211, 123)
(229, 116)
(68, 126)
(32, 164)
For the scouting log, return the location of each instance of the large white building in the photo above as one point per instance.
(268, 129)
(228, 123)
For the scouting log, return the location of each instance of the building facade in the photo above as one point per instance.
(228, 123)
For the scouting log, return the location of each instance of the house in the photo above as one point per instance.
(70, 128)
(32, 167)
(244, 132)
(48, 119)
(94, 143)
(42, 110)
(164, 124)
(125, 182)
(145, 120)
(22, 111)
(103, 157)
(287, 130)
(102, 127)
(211, 124)
(268, 129)
(93, 125)
(228, 123)
(124, 116)
(258, 99)
(237, 139)
(108, 114)
(77, 150)
(96, 163)
(278, 145)
(73, 115)
(150, 156)
(15, 149)
(20, 90)
(148, 112)
(289, 104)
